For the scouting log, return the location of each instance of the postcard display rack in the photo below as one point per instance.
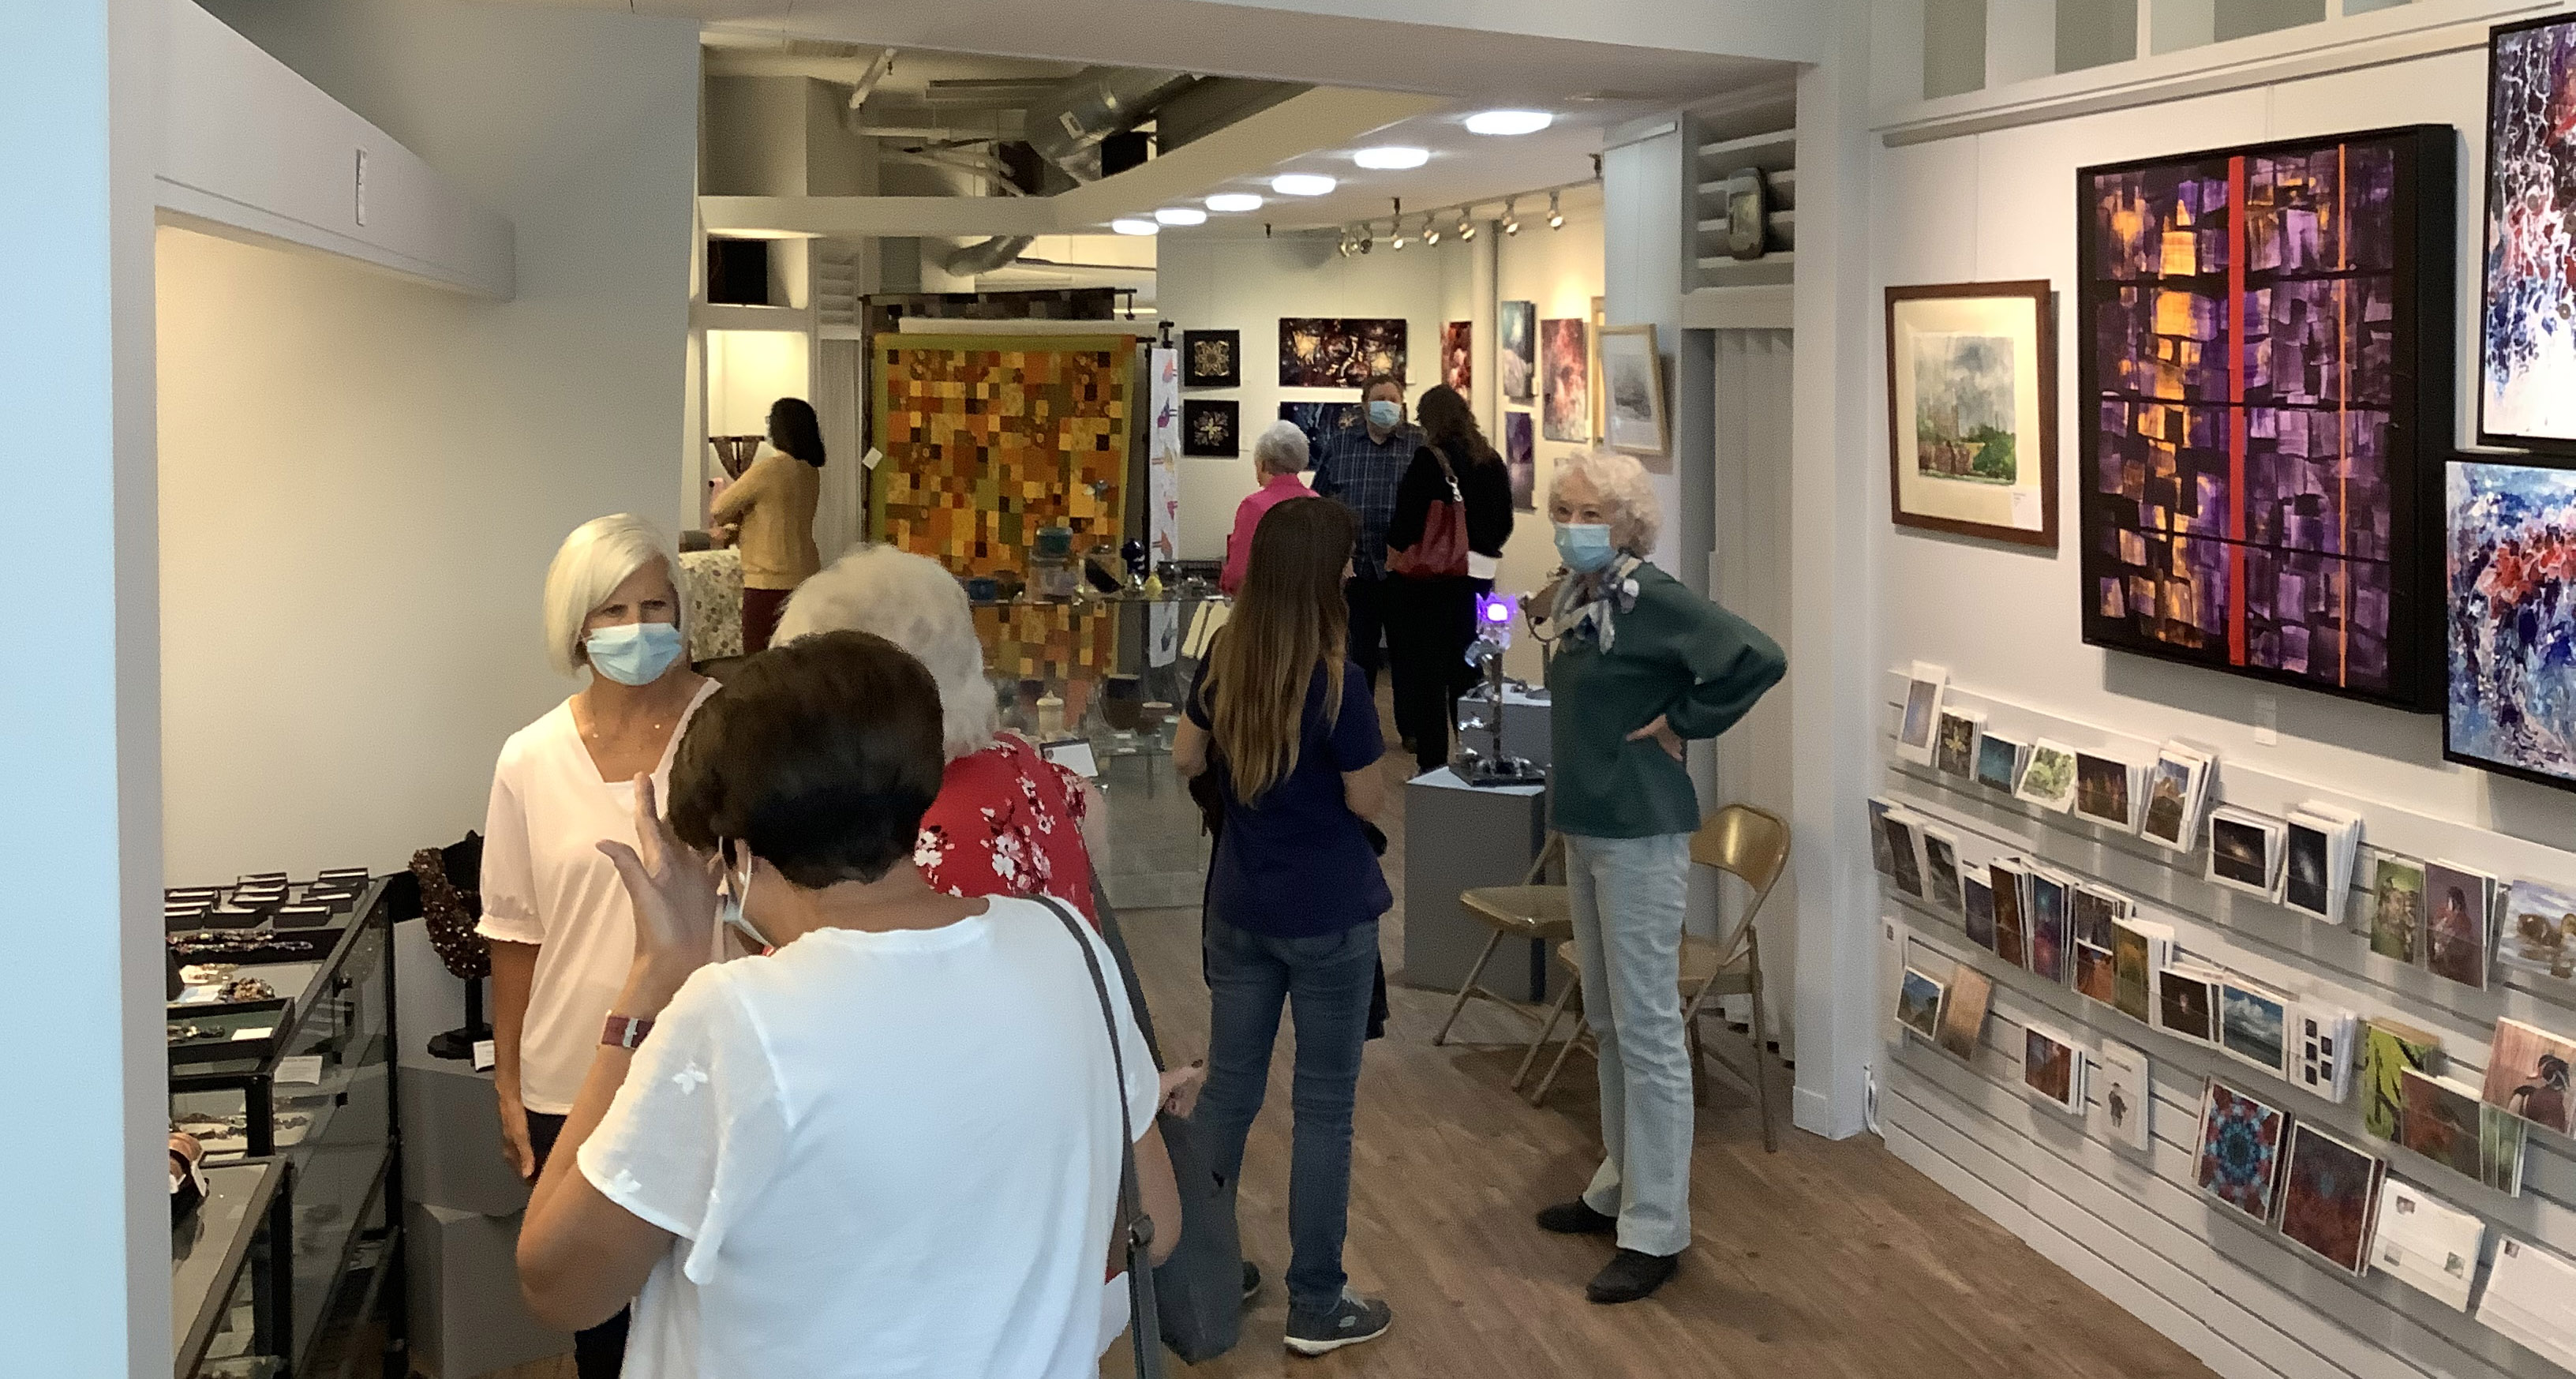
(2134, 1222)
(312, 1088)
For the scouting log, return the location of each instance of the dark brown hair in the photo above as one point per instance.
(1376, 381)
(1448, 422)
(821, 756)
(1289, 619)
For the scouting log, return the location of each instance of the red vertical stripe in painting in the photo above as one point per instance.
(2343, 419)
(2234, 338)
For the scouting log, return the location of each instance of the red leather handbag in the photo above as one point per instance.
(1442, 549)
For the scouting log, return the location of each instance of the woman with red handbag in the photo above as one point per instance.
(1453, 511)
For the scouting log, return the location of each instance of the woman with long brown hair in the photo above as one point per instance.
(1431, 608)
(1283, 717)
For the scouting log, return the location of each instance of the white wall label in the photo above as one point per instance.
(2267, 720)
(304, 1068)
(362, 187)
(484, 1057)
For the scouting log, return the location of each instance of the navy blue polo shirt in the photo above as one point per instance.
(1296, 863)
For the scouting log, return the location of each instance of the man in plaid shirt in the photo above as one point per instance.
(1361, 466)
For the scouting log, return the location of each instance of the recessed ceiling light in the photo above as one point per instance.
(1134, 227)
(1229, 203)
(1391, 158)
(1181, 215)
(1302, 184)
(1509, 121)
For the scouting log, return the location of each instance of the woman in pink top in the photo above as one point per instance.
(1277, 459)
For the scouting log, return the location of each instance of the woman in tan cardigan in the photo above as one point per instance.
(771, 508)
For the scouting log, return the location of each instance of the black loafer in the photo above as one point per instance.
(1631, 1275)
(1576, 1218)
(1251, 1279)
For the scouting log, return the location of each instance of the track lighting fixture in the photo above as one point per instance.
(1555, 213)
(1466, 227)
(1511, 220)
(1430, 231)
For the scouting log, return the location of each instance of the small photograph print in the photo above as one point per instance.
(2388, 1051)
(2012, 923)
(2133, 975)
(1941, 870)
(2048, 919)
(2102, 790)
(2049, 780)
(1918, 1003)
(2240, 853)
(1211, 359)
(1998, 762)
(2096, 975)
(2539, 931)
(2457, 928)
(2439, 1120)
(2240, 1149)
(2096, 911)
(2327, 1197)
(1979, 900)
(1210, 429)
(2053, 1068)
(2528, 1074)
(2127, 1100)
(2304, 879)
(1904, 862)
(1963, 1013)
(2254, 1026)
(1956, 751)
(2186, 1005)
(2168, 799)
(1922, 710)
(2397, 908)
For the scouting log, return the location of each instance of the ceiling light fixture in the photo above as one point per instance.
(1231, 203)
(1395, 226)
(1511, 219)
(1302, 184)
(1368, 240)
(1430, 231)
(1391, 158)
(1127, 225)
(1555, 213)
(1509, 121)
(1181, 215)
(1466, 227)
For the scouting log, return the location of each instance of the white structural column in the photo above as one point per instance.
(86, 1267)
(1833, 558)
(2021, 40)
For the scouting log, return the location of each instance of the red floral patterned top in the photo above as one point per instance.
(1007, 822)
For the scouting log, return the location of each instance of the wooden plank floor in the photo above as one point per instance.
(1826, 1259)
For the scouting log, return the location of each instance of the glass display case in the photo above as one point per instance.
(304, 1075)
(228, 1279)
(1108, 668)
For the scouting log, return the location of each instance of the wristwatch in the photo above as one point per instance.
(623, 1032)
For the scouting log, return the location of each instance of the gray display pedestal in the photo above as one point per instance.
(1527, 732)
(1456, 838)
(461, 1201)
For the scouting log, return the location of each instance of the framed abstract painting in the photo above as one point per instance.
(2265, 340)
(2527, 326)
(1972, 410)
(2511, 705)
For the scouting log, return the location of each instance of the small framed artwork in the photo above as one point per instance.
(1212, 359)
(1211, 428)
(1632, 386)
(1972, 410)
(2049, 779)
(1458, 356)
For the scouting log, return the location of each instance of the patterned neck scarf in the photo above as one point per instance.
(1587, 605)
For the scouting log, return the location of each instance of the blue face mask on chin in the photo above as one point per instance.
(634, 653)
(1386, 416)
(1584, 546)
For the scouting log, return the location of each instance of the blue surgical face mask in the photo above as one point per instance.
(1584, 546)
(1386, 416)
(634, 653)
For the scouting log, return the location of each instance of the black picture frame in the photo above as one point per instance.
(2455, 615)
(1211, 429)
(2416, 440)
(2501, 187)
(1211, 359)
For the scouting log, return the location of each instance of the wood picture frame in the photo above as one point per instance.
(1634, 420)
(1968, 487)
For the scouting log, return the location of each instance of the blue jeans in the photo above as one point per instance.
(1328, 976)
(1627, 896)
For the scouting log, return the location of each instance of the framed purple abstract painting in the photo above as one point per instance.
(2266, 369)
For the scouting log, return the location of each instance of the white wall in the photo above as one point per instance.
(363, 480)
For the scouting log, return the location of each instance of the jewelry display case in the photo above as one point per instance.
(228, 1278)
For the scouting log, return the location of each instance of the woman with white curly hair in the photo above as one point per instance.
(1007, 820)
(1637, 664)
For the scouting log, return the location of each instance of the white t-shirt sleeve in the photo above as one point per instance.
(510, 911)
(697, 1130)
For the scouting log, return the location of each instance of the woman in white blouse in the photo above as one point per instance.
(562, 929)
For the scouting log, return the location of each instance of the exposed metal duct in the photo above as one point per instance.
(1066, 125)
(975, 260)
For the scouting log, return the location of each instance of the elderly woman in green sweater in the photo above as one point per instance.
(1637, 665)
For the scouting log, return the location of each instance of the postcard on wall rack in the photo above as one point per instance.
(2327, 1196)
(2322, 1059)
(2502, 1136)
(2459, 926)
(2528, 1072)
(2319, 846)
(2049, 780)
(2000, 757)
(2096, 909)
(2053, 1066)
(2128, 1097)
(1922, 717)
(1941, 867)
(1963, 1013)
(1904, 851)
(1881, 857)
(2240, 1149)
(2244, 850)
(2526, 1301)
(2050, 895)
(2097, 973)
(2438, 1118)
(2388, 1049)
(1977, 904)
(2108, 789)
(1918, 1003)
(2254, 1025)
(1956, 750)
(2176, 786)
(2012, 916)
(2397, 907)
(2139, 948)
(2426, 1243)
(2187, 1002)
(2537, 934)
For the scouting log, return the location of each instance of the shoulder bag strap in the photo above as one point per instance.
(1144, 1317)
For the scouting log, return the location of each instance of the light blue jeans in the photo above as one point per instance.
(1627, 897)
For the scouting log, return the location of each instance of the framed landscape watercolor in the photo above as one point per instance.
(2508, 556)
(2265, 372)
(2527, 323)
(1971, 410)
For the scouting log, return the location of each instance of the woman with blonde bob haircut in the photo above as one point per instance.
(1637, 665)
(1284, 719)
(1007, 820)
(562, 929)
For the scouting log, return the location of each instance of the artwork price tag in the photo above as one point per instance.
(245, 1035)
(304, 1068)
(484, 1056)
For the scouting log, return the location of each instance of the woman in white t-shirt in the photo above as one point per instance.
(888, 1147)
(562, 930)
